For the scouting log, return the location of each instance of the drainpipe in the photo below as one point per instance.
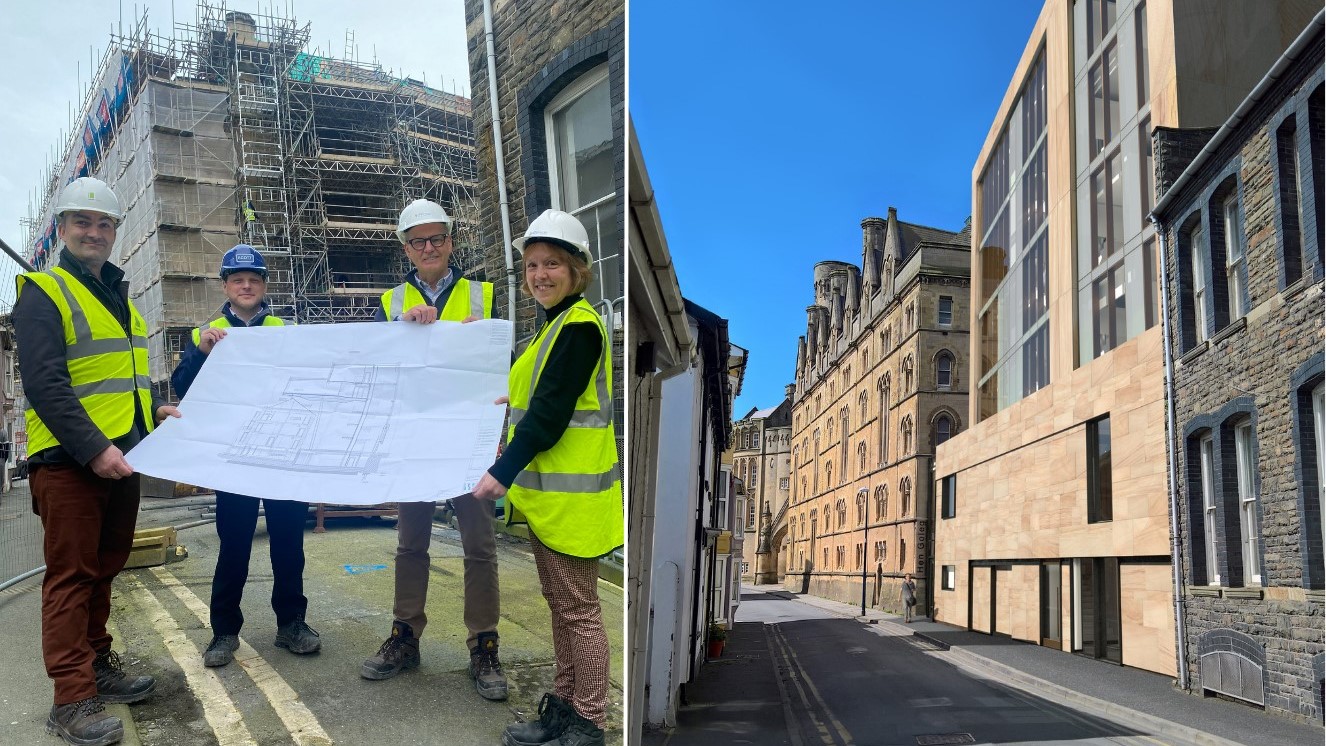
(503, 200)
(1177, 546)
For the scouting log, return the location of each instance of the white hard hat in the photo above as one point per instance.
(93, 195)
(561, 228)
(420, 212)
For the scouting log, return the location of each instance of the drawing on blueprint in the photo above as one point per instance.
(349, 411)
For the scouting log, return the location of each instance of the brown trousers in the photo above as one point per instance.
(414, 533)
(89, 529)
(580, 643)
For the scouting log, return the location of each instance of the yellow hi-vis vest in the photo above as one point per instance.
(224, 323)
(468, 298)
(571, 494)
(108, 369)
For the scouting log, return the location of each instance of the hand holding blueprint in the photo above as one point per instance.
(354, 414)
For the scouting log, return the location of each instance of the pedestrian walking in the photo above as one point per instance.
(435, 291)
(560, 475)
(82, 354)
(244, 279)
(908, 597)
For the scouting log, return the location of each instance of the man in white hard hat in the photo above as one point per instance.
(83, 358)
(433, 291)
(244, 279)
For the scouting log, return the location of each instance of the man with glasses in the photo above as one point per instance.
(433, 291)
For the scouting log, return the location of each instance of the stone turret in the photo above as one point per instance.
(872, 246)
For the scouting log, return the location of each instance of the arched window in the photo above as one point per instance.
(881, 501)
(906, 432)
(841, 509)
(943, 428)
(905, 489)
(908, 371)
(861, 458)
(828, 475)
(884, 419)
(861, 506)
(944, 370)
(842, 467)
(863, 402)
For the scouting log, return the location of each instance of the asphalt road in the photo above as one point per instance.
(845, 683)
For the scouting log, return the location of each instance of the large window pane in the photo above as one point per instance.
(1248, 531)
(580, 131)
(1143, 63)
(1100, 481)
(1207, 449)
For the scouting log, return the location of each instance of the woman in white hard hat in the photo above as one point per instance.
(559, 473)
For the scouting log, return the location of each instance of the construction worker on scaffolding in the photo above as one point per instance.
(435, 291)
(244, 279)
(82, 353)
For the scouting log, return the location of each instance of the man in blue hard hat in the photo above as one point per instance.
(435, 291)
(244, 276)
(82, 352)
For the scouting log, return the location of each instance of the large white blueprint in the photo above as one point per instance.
(354, 414)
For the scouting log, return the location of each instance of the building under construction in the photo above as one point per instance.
(230, 131)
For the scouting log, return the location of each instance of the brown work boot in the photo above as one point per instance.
(114, 685)
(399, 653)
(84, 723)
(486, 669)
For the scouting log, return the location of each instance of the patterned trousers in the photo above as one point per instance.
(580, 643)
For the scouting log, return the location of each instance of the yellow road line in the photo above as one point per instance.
(303, 726)
(814, 690)
(226, 720)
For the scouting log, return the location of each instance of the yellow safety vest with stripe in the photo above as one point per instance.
(224, 323)
(570, 494)
(468, 298)
(108, 369)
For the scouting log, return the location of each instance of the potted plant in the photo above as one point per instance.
(717, 636)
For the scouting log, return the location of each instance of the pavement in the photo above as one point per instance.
(269, 696)
(737, 699)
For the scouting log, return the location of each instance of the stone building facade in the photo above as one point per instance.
(1241, 214)
(880, 380)
(561, 75)
(762, 460)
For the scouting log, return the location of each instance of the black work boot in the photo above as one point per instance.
(221, 650)
(114, 685)
(486, 669)
(399, 653)
(579, 732)
(298, 637)
(554, 716)
(85, 723)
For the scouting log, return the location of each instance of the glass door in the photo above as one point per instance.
(1051, 606)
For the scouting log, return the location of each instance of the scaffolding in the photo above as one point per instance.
(229, 130)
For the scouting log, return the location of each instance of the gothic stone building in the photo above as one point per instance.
(1243, 267)
(762, 460)
(880, 380)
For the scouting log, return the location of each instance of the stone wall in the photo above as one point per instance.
(1253, 367)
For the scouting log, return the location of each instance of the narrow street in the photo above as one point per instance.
(807, 671)
(269, 696)
(852, 683)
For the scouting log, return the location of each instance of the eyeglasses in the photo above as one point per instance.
(436, 242)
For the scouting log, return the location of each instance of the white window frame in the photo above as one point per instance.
(1196, 239)
(562, 100)
(1248, 532)
(1206, 451)
(1234, 257)
(945, 300)
(943, 377)
(948, 577)
(1319, 427)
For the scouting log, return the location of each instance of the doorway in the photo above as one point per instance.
(1051, 606)
(1096, 621)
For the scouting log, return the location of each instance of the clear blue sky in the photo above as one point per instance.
(770, 130)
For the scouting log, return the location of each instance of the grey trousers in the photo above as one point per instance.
(414, 532)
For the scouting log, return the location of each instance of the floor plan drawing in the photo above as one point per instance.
(333, 425)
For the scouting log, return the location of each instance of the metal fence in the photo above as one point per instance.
(20, 536)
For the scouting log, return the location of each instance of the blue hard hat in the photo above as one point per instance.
(243, 258)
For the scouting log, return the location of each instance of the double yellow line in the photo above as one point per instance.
(827, 726)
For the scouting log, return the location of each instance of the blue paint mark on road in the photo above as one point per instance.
(361, 569)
